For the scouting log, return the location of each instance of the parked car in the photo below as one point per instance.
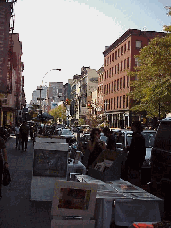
(68, 135)
(161, 157)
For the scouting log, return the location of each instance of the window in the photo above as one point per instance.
(102, 88)
(104, 106)
(108, 61)
(112, 71)
(137, 62)
(120, 83)
(122, 50)
(121, 65)
(110, 58)
(124, 64)
(127, 101)
(117, 102)
(114, 103)
(115, 54)
(109, 88)
(128, 65)
(113, 57)
(105, 74)
(127, 81)
(112, 88)
(111, 103)
(120, 103)
(118, 68)
(123, 101)
(138, 44)
(115, 69)
(123, 82)
(105, 89)
(129, 45)
(117, 84)
(118, 52)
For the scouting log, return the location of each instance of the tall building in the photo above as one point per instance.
(118, 59)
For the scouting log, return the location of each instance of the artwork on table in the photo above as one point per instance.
(74, 199)
(50, 163)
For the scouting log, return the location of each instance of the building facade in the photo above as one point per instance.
(119, 58)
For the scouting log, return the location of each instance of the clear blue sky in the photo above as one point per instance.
(69, 34)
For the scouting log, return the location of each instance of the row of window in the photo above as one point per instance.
(118, 68)
(116, 102)
(114, 86)
(120, 51)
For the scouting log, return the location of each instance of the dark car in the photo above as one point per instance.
(68, 135)
(161, 157)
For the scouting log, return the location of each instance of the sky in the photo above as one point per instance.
(70, 34)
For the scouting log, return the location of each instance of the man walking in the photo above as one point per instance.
(24, 131)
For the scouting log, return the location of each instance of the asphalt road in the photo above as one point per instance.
(16, 209)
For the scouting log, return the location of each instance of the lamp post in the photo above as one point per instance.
(47, 73)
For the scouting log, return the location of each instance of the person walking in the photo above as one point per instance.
(3, 160)
(24, 131)
(17, 134)
(136, 154)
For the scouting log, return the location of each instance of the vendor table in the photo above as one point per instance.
(123, 203)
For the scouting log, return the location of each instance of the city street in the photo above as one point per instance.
(16, 209)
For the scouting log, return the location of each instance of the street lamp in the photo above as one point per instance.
(48, 72)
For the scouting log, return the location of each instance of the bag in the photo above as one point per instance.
(6, 177)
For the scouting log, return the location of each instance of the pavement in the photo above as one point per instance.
(16, 209)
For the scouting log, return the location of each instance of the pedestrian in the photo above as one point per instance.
(24, 131)
(17, 134)
(31, 132)
(111, 144)
(95, 146)
(136, 154)
(3, 160)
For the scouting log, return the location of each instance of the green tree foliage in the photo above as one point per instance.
(167, 28)
(58, 113)
(81, 121)
(152, 88)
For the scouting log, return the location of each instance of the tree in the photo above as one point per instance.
(58, 113)
(151, 91)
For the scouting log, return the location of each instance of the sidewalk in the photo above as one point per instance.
(16, 209)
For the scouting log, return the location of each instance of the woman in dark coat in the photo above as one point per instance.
(95, 146)
(136, 153)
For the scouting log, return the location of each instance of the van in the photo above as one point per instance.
(161, 156)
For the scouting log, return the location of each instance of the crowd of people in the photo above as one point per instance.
(135, 153)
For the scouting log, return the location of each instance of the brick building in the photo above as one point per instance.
(118, 59)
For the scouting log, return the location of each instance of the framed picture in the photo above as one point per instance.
(74, 199)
